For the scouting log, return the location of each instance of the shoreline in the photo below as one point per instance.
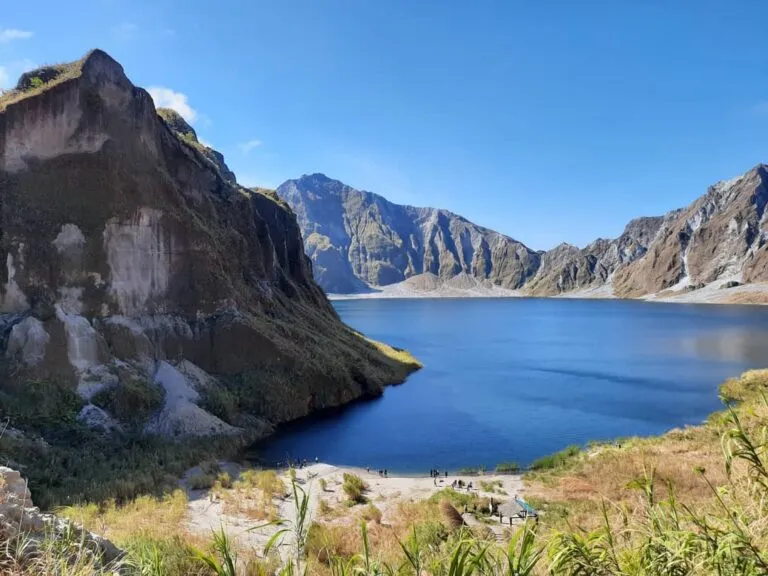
(753, 294)
(323, 485)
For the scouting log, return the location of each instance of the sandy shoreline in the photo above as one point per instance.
(207, 513)
(752, 294)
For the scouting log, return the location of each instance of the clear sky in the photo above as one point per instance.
(546, 120)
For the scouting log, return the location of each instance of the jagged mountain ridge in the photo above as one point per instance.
(358, 240)
(720, 236)
(132, 256)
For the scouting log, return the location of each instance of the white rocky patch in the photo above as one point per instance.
(97, 419)
(181, 416)
(70, 236)
(14, 299)
(28, 339)
(82, 340)
(138, 254)
(196, 376)
(48, 132)
(71, 299)
(83, 354)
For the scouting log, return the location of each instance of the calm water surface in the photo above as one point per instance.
(515, 379)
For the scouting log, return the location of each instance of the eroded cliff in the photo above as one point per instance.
(134, 261)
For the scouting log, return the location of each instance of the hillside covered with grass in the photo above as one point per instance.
(690, 502)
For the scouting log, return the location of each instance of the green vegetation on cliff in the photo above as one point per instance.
(95, 185)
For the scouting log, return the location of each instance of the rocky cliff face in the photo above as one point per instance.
(133, 258)
(566, 268)
(357, 238)
(720, 236)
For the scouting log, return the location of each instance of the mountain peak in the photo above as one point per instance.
(176, 122)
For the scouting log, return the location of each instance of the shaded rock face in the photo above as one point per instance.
(127, 250)
(566, 268)
(357, 238)
(176, 122)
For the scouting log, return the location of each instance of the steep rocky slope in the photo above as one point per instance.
(139, 274)
(566, 267)
(721, 236)
(357, 238)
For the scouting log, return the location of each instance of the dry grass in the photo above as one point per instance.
(159, 517)
(494, 487)
(397, 354)
(253, 495)
(64, 72)
(451, 516)
(574, 495)
(745, 298)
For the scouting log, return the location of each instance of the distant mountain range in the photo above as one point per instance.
(359, 241)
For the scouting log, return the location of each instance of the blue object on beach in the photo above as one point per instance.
(528, 510)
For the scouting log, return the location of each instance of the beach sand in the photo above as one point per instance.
(206, 513)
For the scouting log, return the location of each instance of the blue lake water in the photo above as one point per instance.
(515, 379)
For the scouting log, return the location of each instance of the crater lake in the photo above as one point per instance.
(515, 379)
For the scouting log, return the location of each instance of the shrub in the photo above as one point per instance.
(265, 480)
(220, 402)
(494, 486)
(354, 487)
(371, 513)
(556, 460)
(41, 406)
(507, 467)
(132, 401)
(224, 480)
(201, 481)
(324, 508)
(323, 484)
(469, 471)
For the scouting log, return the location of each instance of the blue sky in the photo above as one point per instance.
(549, 121)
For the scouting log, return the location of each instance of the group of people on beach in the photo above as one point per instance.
(459, 484)
(296, 463)
(382, 472)
(435, 473)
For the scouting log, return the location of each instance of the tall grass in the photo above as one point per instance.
(661, 535)
(354, 487)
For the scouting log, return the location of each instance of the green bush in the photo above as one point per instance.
(556, 460)
(469, 471)
(40, 406)
(201, 481)
(507, 467)
(354, 487)
(169, 556)
(76, 465)
(132, 401)
(372, 514)
(224, 480)
(220, 402)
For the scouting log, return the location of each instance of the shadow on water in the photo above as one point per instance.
(257, 452)
(513, 380)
